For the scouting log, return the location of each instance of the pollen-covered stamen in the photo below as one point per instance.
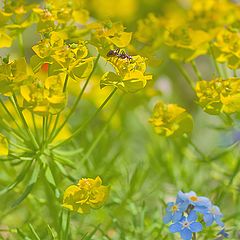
(194, 198)
(174, 208)
(186, 224)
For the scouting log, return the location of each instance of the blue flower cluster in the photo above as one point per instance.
(187, 213)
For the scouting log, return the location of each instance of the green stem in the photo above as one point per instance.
(66, 230)
(214, 60)
(58, 114)
(197, 72)
(20, 147)
(194, 236)
(11, 116)
(52, 137)
(17, 107)
(101, 134)
(65, 83)
(224, 70)
(35, 127)
(185, 75)
(20, 42)
(234, 72)
(82, 126)
(13, 131)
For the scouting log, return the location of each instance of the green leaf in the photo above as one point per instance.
(90, 235)
(19, 179)
(51, 181)
(34, 233)
(52, 233)
(29, 187)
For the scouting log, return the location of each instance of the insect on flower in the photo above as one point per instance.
(119, 54)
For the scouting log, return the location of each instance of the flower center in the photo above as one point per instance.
(194, 198)
(174, 208)
(185, 224)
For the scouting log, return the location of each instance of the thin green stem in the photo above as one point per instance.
(54, 134)
(185, 75)
(101, 134)
(66, 230)
(58, 114)
(21, 45)
(17, 107)
(35, 127)
(83, 126)
(224, 70)
(195, 69)
(65, 83)
(214, 60)
(13, 131)
(234, 72)
(44, 126)
(11, 116)
(20, 147)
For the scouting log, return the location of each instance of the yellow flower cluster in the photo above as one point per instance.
(86, 195)
(219, 95)
(226, 48)
(130, 74)
(171, 120)
(44, 96)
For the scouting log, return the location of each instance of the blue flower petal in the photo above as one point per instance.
(181, 196)
(177, 216)
(218, 221)
(183, 206)
(208, 219)
(176, 227)
(192, 216)
(201, 209)
(203, 201)
(169, 205)
(167, 218)
(186, 234)
(196, 227)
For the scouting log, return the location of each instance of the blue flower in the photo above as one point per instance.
(174, 211)
(193, 199)
(186, 226)
(210, 214)
(223, 233)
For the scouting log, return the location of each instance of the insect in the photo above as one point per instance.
(119, 54)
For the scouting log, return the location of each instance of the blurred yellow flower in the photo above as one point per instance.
(107, 35)
(171, 120)
(186, 44)
(88, 193)
(219, 95)
(3, 146)
(121, 9)
(226, 48)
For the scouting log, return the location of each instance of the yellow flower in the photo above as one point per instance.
(108, 35)
(226, 48)
(219, 95)
(130, 74)
(186, 44)
(3, 146)
(171, 120)
(12, 75)
(88, 193)
(62, 57)
(44, 96)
